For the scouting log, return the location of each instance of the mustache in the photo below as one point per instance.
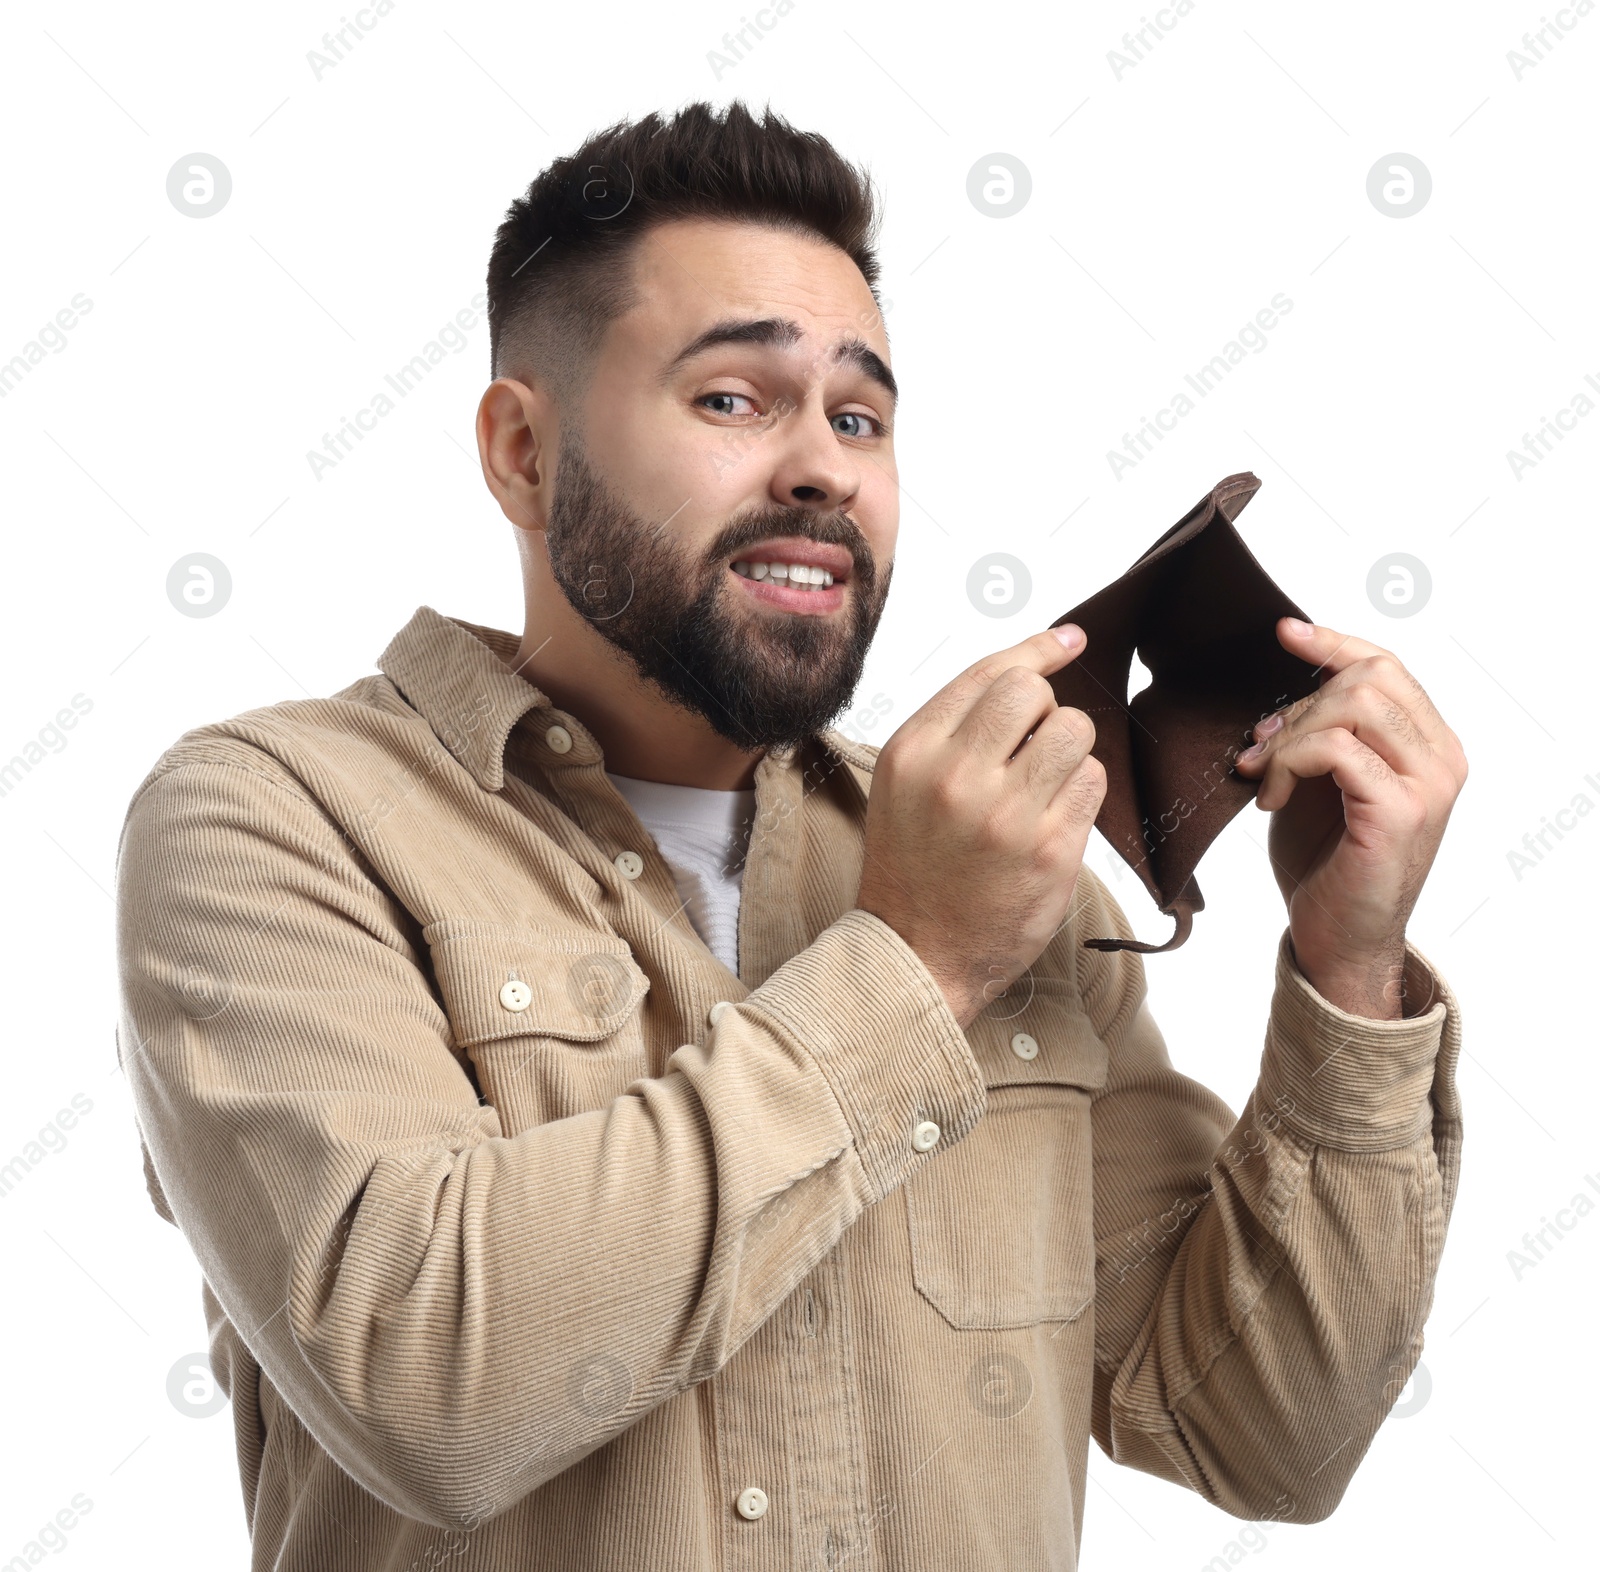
(827, 529)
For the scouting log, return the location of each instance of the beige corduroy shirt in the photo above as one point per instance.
(532, 1236)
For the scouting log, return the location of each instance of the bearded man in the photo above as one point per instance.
(625, 1123)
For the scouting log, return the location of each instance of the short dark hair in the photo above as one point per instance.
(561, 267)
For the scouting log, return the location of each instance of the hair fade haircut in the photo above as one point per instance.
(561, 268)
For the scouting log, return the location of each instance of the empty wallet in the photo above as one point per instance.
(1202, 614)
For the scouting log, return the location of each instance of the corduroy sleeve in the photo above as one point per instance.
(1262, 1282)
(431, 1296)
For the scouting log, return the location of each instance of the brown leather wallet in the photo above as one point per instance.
(1202, 614)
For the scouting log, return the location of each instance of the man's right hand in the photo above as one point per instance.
(975, 828)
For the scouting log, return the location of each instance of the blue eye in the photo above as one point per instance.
(724, 404)
(745, 396)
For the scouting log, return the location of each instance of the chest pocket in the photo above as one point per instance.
(551, 1018)
(1002, 1224)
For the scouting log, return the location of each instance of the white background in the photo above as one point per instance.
(1169, 203)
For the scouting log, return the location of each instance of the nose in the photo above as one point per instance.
(813, 470)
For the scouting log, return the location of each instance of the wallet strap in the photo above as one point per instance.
(1189, 901)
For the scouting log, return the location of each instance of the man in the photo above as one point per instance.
(574, 1188)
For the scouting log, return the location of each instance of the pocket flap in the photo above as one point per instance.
(1038, 1031)
(576, 983)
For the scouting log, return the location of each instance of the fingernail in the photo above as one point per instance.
(1249, 753)
(1268, 726)
(1299, 629)
(1070, 634)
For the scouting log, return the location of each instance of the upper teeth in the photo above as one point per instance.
(799, 574)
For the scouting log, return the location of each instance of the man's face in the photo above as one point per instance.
(737, 414)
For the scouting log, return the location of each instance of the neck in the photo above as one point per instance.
(640, 732)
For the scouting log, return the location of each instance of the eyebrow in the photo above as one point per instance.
(782, 333)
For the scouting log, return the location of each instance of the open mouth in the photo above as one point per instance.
(795, 575)
(800, 575)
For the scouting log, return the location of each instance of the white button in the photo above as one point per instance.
(559, 739)
(630, 864)
(1024, 1047)
(714, 1014)
(516, 995)
(752, 1502)
(925, 1135)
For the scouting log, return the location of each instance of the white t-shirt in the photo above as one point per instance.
(703, 835)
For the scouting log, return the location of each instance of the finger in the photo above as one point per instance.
(1015, 704)
(1364, 710)
(1042, 653)
(1336, 653)
(1076, 804)
(1356, 770)
(1385, 672)
(1324, 647)
(1059, 744)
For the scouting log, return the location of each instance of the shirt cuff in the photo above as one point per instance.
(1349, 1081)
(862, 1003)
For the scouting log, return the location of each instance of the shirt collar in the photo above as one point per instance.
(458, 676)
(455, 675)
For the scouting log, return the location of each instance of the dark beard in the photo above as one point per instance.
(762, 679)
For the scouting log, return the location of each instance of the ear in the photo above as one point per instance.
(517, 429)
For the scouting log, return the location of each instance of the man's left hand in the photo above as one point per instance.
(1360, 778)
